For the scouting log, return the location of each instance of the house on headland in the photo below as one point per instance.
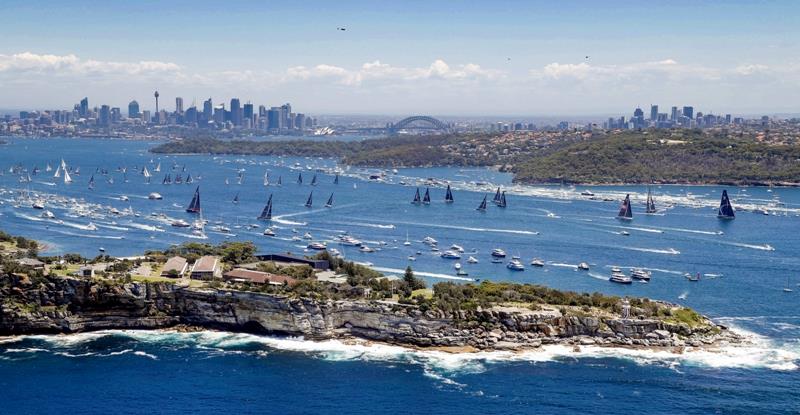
(207, 268)
(175, 267)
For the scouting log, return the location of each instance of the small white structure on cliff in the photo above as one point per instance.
(207, 268)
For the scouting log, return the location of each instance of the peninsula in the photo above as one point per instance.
(630, 157)
(230, 288)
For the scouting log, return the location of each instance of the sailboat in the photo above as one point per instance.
(158, 168)
(787, 289)
(266, 214)
(67, 179)
(336, 179)
(167, 179)
(426, 200)
(300, 178)
(48, 168)
(266, 178)
(417, 200)
(625, 212)
(146, 174)
(178, 179)
(329, 203)
(91, 182)
(651, 205)
(725, 208)
(57, 174)
(482, 206)
(502, 202)
(308, 202)
(314, 180)
(448, 197)
(236, 198)
(194, 205)
(189, 178)
(496, 198)
(279, 180)
(240, 179)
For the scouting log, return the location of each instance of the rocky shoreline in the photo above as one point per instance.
(69, 305)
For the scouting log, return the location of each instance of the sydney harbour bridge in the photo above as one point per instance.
(414, 123)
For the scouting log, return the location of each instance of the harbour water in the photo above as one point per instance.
(744, 264)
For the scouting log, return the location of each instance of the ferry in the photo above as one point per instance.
(618, 277)
(498, 253)
(640, 274)
(515, 265)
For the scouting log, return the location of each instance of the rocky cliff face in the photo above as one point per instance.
(64, 305)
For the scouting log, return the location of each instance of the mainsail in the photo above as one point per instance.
(651, 205)
(725, 208)
(236, 198)
(189, 178)
(336, 179)
(502, 202)
(496, 198)
(625, 209)
(300, 178)
(194, 205)
(427, 198)
(417, 200)
(91, 182)
(482, 206)
(308, 202)
(67, 179)
(266, 214)
(329, 203)
(314, 180)
(448, 197)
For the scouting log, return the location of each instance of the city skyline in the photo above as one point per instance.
(456, 59)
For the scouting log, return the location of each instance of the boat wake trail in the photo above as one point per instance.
(668, 251)
(424, 274)
(468, 228)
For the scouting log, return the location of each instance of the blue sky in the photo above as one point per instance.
(438, 57)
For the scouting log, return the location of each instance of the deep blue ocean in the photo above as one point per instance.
(745, 265)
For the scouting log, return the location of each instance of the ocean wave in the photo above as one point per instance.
(758, 353)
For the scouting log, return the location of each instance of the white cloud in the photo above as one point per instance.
(667, 69)
(27, 63)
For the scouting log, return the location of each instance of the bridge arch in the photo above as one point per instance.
(430, 121)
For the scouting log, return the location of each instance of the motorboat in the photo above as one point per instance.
(457, 266)
(515, 265)
(366, 249)
(412, 258)
(587, 193)
(472, 260)
(537, 262)
(348, 240)
(38, 205)
(155, 196)
(497, 261)
(583, 266)
(624, 233)
(318, 246)
(498, 253)
(269, 232)
(449, 254)
(429, 241)
(307, 236)
(124, 198)
(48, 214)
(457, 248)
(180, 223)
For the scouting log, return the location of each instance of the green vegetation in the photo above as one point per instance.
(660, 156)
(645, 157)
(230, 251)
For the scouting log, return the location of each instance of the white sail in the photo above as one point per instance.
(67, 179)
(57, 174)
(146, 173)
(158, 167)
(63, 164)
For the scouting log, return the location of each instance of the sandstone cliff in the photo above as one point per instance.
(66, 305)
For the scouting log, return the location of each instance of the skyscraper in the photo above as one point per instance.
(688, 112)
(156, 95)
(105, 116)
(179, 105)
(133, 109)
(236, 112)
(84, 108)
(653, 112)
(248, 112)
(208, 110)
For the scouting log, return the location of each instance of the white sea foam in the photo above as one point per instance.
(469, 228)
(758, 353)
